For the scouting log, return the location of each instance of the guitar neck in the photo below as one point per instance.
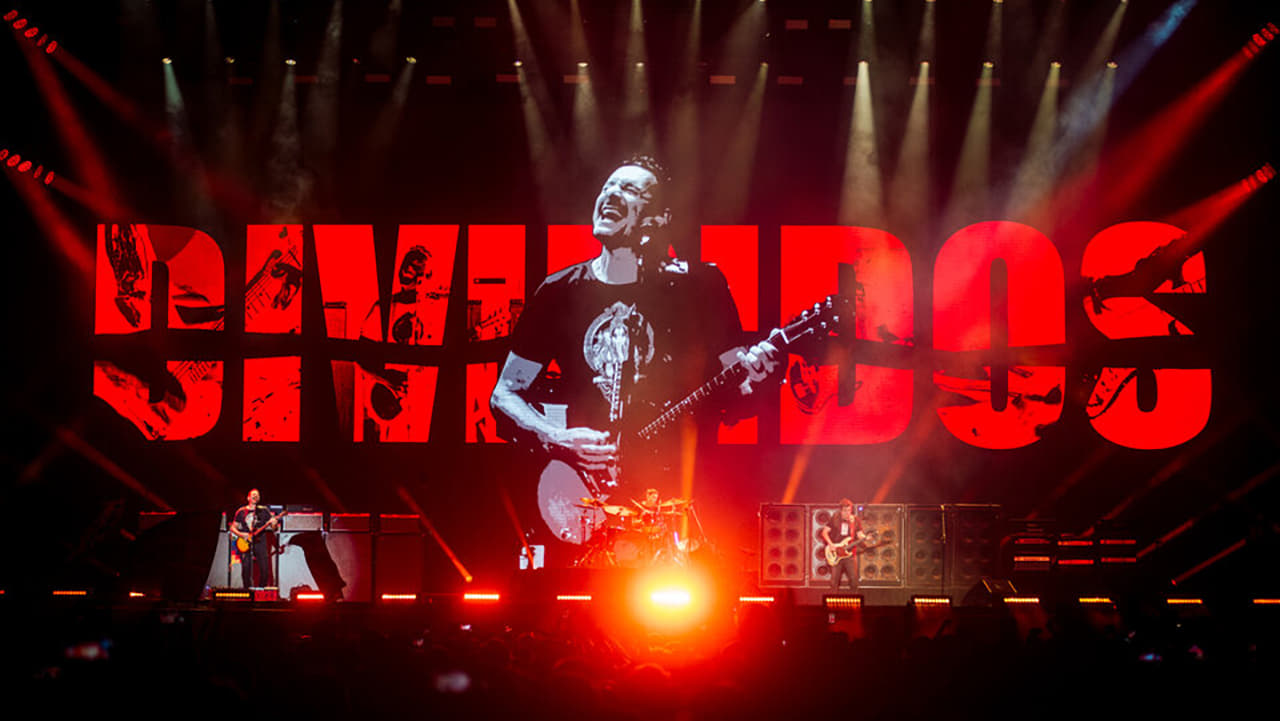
(729, 377)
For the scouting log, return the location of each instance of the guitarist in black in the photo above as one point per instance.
(845, 528)
(630, 329)
(254, 524)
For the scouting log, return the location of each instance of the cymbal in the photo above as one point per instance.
(617, 510)
(589, 502)
(672, 502)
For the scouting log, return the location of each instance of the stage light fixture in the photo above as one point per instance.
(481, 597)
(988, 65)
(137, 594)
(9, 16)
(70, 592)
(1055, 64)
(167, 61)
(308, 596)
(1112, 65)
(518, 64)
(411, 60)
(842, 602)
(920, 601)
(290, 62)
(229, 60)
(582, 64)
(399, 597)
(232, 596)
(20, 23)
(640, 64)
(573, 597)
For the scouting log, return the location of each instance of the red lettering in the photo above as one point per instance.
(882, 396)
(1122, 265)
(735, 251)
(962, 321)
(273, 279)
(480, 425)
(181, 399)
(272, 398)
(495, 280)
(392, 405)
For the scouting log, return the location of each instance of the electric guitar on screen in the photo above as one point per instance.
(561, 487)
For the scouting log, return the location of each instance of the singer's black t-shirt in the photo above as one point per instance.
(627, 349)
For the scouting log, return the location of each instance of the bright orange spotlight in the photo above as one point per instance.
(671, 597)
(671, 600)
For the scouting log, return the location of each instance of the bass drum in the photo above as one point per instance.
(632, 549)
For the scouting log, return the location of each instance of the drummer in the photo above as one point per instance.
(650, 510)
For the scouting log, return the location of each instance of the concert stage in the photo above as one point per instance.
(325, 319)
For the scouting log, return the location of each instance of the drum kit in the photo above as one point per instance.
(638, 537)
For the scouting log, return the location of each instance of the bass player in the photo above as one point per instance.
(843, 532)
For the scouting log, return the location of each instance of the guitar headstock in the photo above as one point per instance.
(824, 318)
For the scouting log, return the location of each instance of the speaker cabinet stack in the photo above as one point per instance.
(783, 544)
(399, 555)
(925, 560)
(931, 549)
(819, 572)
(973, 544)
(881, 565)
